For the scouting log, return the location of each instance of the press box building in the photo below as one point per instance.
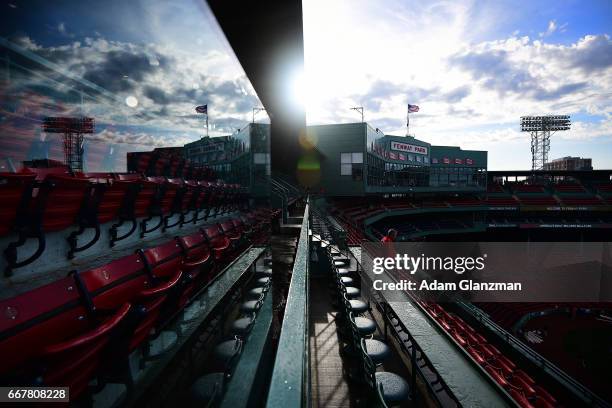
(357, 159)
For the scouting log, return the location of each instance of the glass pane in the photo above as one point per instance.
(357, 157)
(346, 169)
(138, 69)
(345, 158)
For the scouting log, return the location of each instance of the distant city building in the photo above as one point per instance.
(569, 163)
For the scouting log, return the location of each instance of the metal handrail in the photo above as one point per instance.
(289, 386)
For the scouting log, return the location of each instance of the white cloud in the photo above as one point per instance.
(552, 27)
(166, 82)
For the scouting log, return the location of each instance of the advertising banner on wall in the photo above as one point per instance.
(410, 148)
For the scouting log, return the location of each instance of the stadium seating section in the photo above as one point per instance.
(84, 326)
(352, 212)
(38, 201)
(507, 373)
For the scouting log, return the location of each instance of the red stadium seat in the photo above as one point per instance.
(476, 355)
(165, 262)
(242, 227)
(103, 204)
(127, 280)
(220, 244)
(189, 200)
(230, 231)
(545, 395)
(48, 336)
(54, 206)
(543, 403)
(15, 190)
(203, 202)
(497, 376)
(520, 384)
(161, 205)
(520, 399)
(59, 201)
(137, 205)
(43, 172)
(198, 265)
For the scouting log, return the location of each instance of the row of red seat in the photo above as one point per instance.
(39, 201)
(84, 326)
(521, 387)
(507, 314)
(570, 188)
(560, 187)
(528, 188)
(168, 163)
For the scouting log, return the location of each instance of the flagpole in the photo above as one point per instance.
(207, 123)
(408, 120)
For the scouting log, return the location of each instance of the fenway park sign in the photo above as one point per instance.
(410, 148)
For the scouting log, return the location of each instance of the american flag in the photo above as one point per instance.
(413, 108)
(202, 109)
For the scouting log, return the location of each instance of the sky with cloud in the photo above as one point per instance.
(138, 67)
(473, 67)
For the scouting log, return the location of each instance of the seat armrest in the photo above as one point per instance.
(91, 335)
(192, 264)
(163, 287)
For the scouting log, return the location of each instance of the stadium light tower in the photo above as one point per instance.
(73, 130)
(541, 128)
(360, 110)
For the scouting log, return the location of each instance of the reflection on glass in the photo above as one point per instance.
(137, 68)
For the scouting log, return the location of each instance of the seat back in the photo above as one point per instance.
(126, 280)
(74, 362)
(49, 314)
(239, 225)
(43, 172)
(165, 263)
(15, 190)
(184, 194)
(212, 232)
(228, 227)
(48, 333)
(145, 198)
(164, 260)
(204, 196)
(187, 196)
(112, 199)
(195, 246)
(117, 282)
(59, 201)
(167, 193)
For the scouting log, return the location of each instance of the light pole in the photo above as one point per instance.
(255, 111)
(359, 109)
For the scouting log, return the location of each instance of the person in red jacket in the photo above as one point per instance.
(391, 236)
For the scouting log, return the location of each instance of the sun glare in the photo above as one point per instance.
(298, 89)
